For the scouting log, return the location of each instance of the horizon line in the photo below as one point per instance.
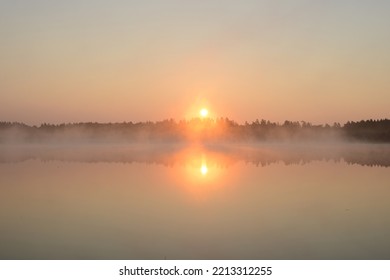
(257, 120)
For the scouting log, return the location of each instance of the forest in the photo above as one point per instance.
(196, 129)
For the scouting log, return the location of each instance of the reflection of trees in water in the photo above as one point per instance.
(219, 155)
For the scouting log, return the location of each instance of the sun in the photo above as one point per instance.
(204, 169)
(203, 113)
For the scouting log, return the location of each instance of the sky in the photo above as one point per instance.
(114, 61)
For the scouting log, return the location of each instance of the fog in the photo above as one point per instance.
(260, 154)
(195, 130)
(223, 141)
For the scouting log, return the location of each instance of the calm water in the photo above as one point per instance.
(216, 202)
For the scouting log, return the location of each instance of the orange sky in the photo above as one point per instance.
(122, 61)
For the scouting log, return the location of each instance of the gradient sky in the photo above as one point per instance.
(71, 61)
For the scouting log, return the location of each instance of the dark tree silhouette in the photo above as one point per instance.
(220, 129)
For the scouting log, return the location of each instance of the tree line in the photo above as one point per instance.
(197, 129)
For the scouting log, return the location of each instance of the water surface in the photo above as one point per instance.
(195, 202)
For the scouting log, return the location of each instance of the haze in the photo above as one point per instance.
(73, 61)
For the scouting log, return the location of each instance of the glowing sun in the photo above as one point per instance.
(203, 113)
(204, 169)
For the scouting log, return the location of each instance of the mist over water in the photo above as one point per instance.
(196, 130)
(169, 154)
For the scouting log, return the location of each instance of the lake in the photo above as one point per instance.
(166, 201)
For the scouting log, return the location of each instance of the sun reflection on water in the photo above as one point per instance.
(202, 172)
